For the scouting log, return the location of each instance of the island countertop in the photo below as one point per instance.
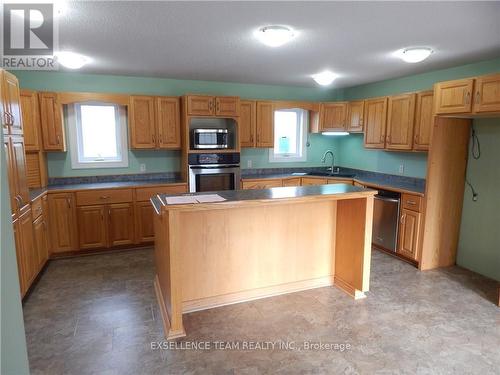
(334, 191)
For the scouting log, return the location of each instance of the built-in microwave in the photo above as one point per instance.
(213, 139)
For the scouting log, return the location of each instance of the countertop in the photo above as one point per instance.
(277, 193)
(35, 193)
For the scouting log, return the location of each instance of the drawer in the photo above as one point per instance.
(313, 181)
(291, 182)
(93, 197)
(339, 181)
(143, 194)
(36, 208)
(412, 202)
(262, 184)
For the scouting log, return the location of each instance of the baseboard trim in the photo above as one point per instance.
(253, 294)
(169, 334)
(348, 288)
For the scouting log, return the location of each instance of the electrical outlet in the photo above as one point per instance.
(401, 168)
(142, 167)
(249, 164)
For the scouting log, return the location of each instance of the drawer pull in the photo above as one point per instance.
(412, 203)
(104, 197)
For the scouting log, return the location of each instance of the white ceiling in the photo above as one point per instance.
(214, 40)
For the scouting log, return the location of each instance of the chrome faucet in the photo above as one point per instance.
(323, 159)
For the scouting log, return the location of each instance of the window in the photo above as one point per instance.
(98, 135)
(290, 135)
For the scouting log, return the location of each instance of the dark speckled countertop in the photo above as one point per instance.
(232, 196)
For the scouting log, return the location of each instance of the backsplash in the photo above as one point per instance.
(114, 178)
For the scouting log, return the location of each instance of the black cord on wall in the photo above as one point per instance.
(476, 154)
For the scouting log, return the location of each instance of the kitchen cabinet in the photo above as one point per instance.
(120, 224)
(25, 251)
(453, 97)
(313, 181)
(424, 118)
(51, 119)
(375, 122)
(11, 116)
(487, 94)
(265, 124)
(204, 105)
(355, 112)
(16, 172)
(291, 182)
(339, 181)
(154, 122)
(265, 183)
(91, 227)
(247, 123)
(40, 232)
(400, 122)
(31, 120)
(409, 233)
(63, 222)
(332, 116)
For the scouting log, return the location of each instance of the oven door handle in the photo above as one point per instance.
(213, 167)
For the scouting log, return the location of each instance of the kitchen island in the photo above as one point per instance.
(260, 243)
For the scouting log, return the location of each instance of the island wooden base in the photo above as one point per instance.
(220, 254)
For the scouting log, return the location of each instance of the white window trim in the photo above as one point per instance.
(301, 138)
(76, 146)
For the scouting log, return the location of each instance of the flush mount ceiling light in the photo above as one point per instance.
(71, 60)
(414, 55)
(324, 78)
(335, 133)
(275, 36)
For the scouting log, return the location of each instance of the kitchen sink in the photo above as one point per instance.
(329, 174)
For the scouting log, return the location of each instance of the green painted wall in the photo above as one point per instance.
(59, 164)
(479, 246)
(13, 355)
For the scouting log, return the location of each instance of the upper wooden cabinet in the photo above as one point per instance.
(400, 121)
(487, 94)
(453, 96)
(424, 117)
(154, 122)
(375, 122)
(355, 112)
(247, 123)
(204, 105)
(31, 120)
(51, 119)
(11, 107)
(265, 124)
(332, 116)
(16, 172)
(63, 222)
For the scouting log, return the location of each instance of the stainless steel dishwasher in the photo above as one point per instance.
(386, 220)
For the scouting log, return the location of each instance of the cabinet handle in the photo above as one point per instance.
(69, 202)
(416, 138)
(411, 203)
(104, 197)
(217, 106)
(251, 138)
(360, 121)
(58, 139)
(21, 201)
(467, 97)
(478, 96)
(153, 137)
(403, 217)
(382, 137)
(17, 201)
(6, 118)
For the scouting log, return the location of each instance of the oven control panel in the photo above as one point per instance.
(214, 158)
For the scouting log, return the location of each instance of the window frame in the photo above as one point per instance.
(303, 124)
(75, 137)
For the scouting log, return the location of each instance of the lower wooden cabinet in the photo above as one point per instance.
(63, 222)
(409, 233)
(291, 182)
(25, 251)
(91, 227)
(144, 222)
(313, 181)
(120, 224)
(265, 183)
(41, 236)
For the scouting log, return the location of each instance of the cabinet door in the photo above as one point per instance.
(291, 182)
(121, 224)
(355, 114)
(247, 123)
(265, 183)
(227, 106)
(487, 94)
(168, 121)
(31, 120)
(332, 116)
(400, 122)
(20, 257)
(51, 120)
(375, 121)
(142, 122)
(41, 242)
(92, 227)
(19, 162)
(144, 222)
(313, 181)
(11, 172)
(29, 254)
(12, 102)
(453, 96)
(200, 105)
(424, 119)
(408, 233)
(63, 222)
(265, 124)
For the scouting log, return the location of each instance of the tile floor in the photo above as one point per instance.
(98, 315)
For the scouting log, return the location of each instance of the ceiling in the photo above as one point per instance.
(214, 40)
